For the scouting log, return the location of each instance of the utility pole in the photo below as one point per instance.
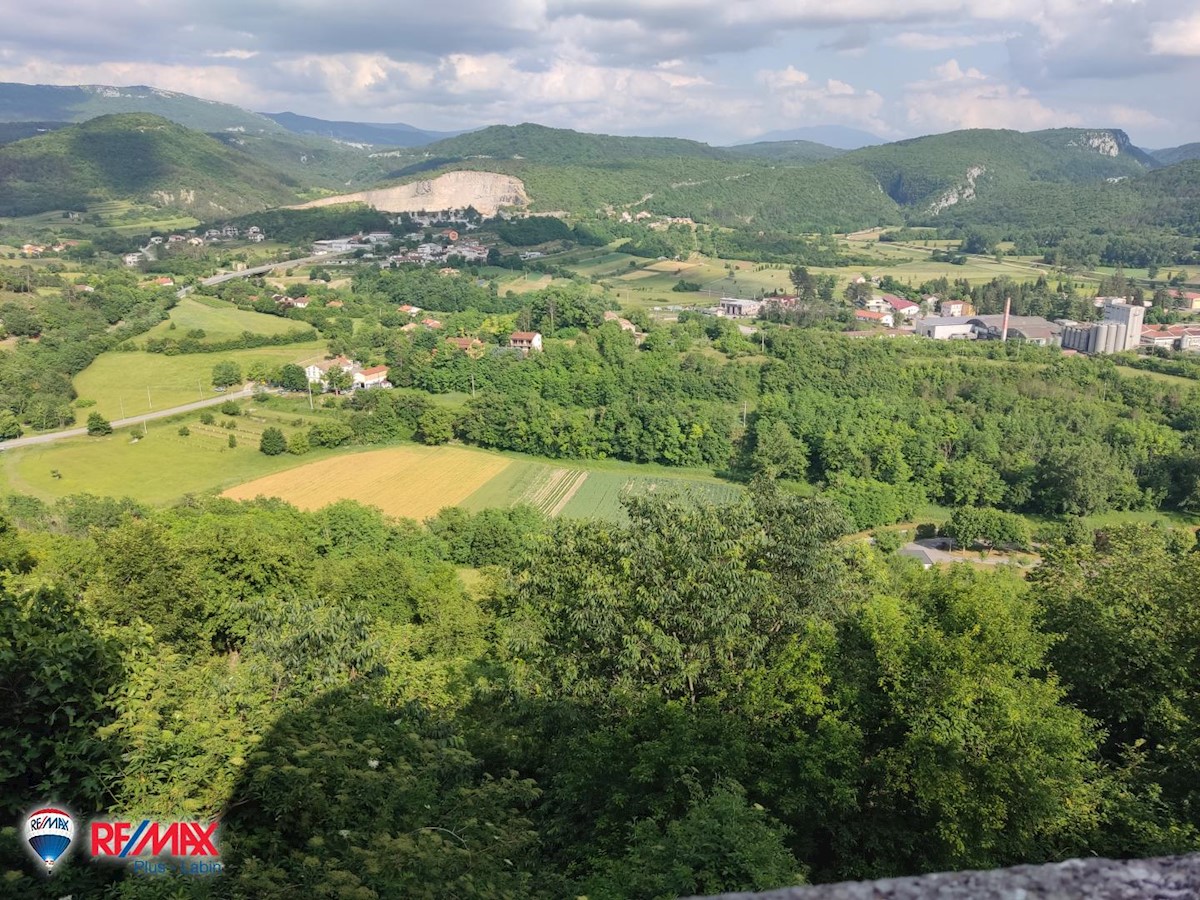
(122, 407)
(148, 401)
(472, 384)
(743, 413)
(199, 390)
(310, 402)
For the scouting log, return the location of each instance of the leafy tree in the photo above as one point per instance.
(10, 427)
(436, 425)
(98, 425)
(273, 442)
(232, 441)
(292, 378)
(298, 444)
(226, 374)
(231, 408)
(721, 844)
(184, 431)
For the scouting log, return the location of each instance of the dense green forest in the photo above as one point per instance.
(708, 698)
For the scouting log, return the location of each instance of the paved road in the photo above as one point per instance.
(131, 420)
(187, 407)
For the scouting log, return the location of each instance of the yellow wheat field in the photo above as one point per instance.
(404, 481)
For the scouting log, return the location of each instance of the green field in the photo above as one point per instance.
(219, 319)
(157, 466)
(577, 490)
(126, 384)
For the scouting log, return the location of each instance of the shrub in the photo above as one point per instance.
(206, 418)
(98, 425)
(184, 431)
(298, 445)
(273, 442)
(232, 441)
(231, 408)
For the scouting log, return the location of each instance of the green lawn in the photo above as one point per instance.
(601, 494)
(131, 383)
(219, 319)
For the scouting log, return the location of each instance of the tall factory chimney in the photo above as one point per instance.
(1007, 310)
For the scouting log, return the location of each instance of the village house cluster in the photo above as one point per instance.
(1121, 328)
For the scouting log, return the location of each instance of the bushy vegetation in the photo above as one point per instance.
(708, 698)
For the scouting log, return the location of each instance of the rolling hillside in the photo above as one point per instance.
(137, 157)
(395, 134)
(78, 103)
(561, 146)
(786, 151)
(1172, 155)
(929, 175)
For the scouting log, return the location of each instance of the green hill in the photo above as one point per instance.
(78, 103)
(929, 175)
(1172, 155)
(137, 157)
(785, 151)
(561, 146)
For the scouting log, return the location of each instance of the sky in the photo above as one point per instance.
(722, 71)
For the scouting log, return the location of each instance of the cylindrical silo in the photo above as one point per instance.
(1091, 339)
(1119, 345)
(1110, 337)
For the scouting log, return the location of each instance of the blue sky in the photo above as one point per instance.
(717, 71)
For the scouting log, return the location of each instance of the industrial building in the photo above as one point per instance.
(1031, 329)
(1119, 331)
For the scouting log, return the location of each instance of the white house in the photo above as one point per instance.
(526, 341)
(132, 259)
(316, 371)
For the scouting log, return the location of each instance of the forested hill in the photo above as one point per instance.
(137, 157)
(78, 103)
(933, 173)
(1172, 155)
(561, 146)
(786, 151)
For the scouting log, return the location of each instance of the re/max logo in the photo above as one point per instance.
(120, 840)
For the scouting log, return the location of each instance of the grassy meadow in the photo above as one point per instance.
(126, 384)
(219, 319)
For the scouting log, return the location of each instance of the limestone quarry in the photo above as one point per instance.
(486, 191)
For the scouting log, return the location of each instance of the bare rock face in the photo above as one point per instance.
(1165, 878)
(486, 191)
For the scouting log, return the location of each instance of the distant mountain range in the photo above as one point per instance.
(213, 158)
(377, 134)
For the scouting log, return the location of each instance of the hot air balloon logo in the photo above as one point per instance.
(49, 833)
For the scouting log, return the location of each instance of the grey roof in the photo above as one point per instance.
(936, 321)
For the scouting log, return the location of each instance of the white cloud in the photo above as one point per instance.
(795, 100)
(1177, 38)
(958, 98)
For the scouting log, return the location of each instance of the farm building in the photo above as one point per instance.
(375, 376)
(739, 309)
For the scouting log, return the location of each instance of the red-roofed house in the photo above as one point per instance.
(408, 308)
(375, 376)
(526, 341)
(431, 323)
(465, 343)
(866, 315)
(334, 304)
(906, 308)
